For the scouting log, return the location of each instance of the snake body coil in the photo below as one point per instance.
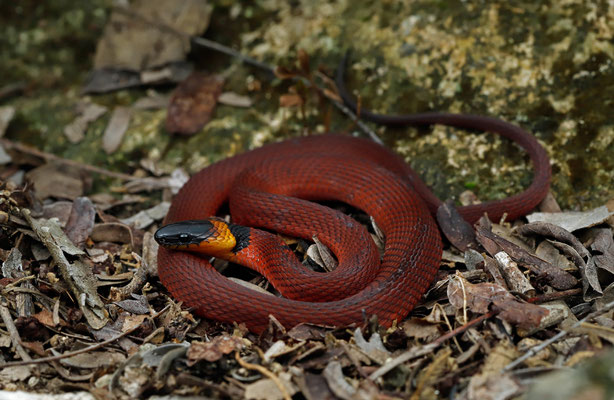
(268, 188)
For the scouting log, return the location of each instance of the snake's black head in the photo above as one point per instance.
(185, 233)
(211, 237)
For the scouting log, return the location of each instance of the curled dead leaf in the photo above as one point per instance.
(481, 297)
(213, 350)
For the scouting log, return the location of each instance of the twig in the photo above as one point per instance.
(52, 157)
(543, 298)
(138, 279)
(265, 372)
(209, 44)
(536, 349)
(10, 326)
(421, 351)
(81, 351)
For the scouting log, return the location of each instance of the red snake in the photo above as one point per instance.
(270, 187)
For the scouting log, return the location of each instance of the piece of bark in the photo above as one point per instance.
(515, 279)
(493, 269)
(551, 274)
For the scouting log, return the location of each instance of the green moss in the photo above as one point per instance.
(545, 66)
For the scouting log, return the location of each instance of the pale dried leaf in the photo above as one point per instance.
(97, 359)
(234, 99)
(153, 101)
(374, 348)
(143, 219)
(574, 220)
(88, 113)
(5, 158)
(6, 115)
(266, 389)
(116, 128)
(215, 349)
(337, 383)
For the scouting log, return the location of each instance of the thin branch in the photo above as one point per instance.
(265, 372)
(536, 349)
(52, 157)
(95, 346)
(14, 334)
(421, 351)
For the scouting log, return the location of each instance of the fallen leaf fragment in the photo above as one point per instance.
(95, 359)
(267, 389)
(603, 249)
(314, 387)
(493, 387)
(130, 43)
(480, 297)
(563, 240)
(290, 100)
(421, 329)
(374, 348)
(116, 128)
(193, 103)
(88, 113)
(234, 99)
(144, 218)
(6, 115)
(213, 350)
(56, 180)
(441, 364)
(337, 383)
(458, 231)
(80, 221)
(574, 220)
(112, 232)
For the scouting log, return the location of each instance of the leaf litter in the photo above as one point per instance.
(479, 318)
(81, 304)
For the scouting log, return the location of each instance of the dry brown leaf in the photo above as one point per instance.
(111, 232)
(493, 244)
(95, 359)
(193, 103)
(80, 221)
(45, 317)
(56, 180)
(290, 100)
(213, 350)
(603, 249)
(481, 297)
(420, 328)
